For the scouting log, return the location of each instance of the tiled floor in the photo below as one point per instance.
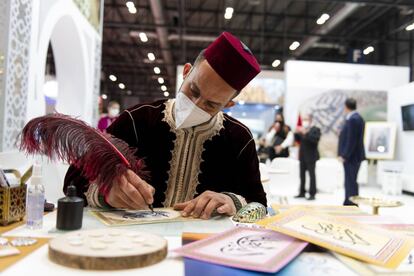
(280, 187)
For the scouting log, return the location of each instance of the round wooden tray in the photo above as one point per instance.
(107, 249)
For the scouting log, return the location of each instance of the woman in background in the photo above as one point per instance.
(107, 120)
(279, 138)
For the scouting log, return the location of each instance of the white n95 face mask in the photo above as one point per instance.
(113, 112)
(187, 113)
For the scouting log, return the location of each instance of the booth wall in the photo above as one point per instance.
(398, 97)
(320, 88)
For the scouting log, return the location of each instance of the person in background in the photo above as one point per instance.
(279, 138)
(113, 112)
(351, 148)
(309, 137)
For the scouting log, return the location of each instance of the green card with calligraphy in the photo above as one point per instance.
(364, 242)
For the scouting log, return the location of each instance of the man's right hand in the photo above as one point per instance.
(130, 192)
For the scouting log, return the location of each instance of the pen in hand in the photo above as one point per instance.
(151, 208)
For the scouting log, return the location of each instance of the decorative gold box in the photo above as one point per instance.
(12, 202)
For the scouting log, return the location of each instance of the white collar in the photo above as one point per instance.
(348, 116)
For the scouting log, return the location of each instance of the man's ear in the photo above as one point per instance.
(186, 69)
(230, 104)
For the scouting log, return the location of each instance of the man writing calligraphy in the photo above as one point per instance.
(199, 159)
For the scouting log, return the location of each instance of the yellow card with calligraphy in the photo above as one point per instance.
(326, 209)
(367, 243)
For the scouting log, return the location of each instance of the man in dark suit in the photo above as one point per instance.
(309, 137)
(351, 148)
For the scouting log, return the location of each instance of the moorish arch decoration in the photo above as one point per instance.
(27, 27)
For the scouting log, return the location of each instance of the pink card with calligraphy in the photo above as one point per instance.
(246, 248)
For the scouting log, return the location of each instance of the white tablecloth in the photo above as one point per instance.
(38, 262)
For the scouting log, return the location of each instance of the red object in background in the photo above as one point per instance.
(298, 126)
(299, 122)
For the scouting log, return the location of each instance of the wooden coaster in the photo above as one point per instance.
(107, 249)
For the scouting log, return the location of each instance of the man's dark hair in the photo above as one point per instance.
(351, 104)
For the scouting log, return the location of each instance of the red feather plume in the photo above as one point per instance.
(101, 157)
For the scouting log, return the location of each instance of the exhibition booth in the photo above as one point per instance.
(87, 234)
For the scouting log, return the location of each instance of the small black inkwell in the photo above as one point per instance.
(70, 211)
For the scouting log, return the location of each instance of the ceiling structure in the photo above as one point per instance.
(176, 31)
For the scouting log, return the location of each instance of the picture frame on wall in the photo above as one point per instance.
(379, 140)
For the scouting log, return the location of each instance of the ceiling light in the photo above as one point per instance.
(121, 85)
(166, 94)
(410, 27)
(132, 10)
(157, 70)
(129, 92)
(294, 45)
(228, 13)
(143, 37)
(322, 19)
(112, 78)
(160, 80)
(104, 96)
(130, 4)
(151, 56)
(242, 102)
(163, 88)
(325, 16)
(276, 63)
(368, 50)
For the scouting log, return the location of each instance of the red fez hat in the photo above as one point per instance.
(232, 60)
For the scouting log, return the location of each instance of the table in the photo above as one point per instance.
(39, 262)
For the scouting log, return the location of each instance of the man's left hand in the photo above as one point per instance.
(204, 205)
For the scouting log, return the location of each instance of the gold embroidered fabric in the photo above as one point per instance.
(186, 155)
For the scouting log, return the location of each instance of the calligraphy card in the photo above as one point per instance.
(245, 248)
(406, 229)
(326, 209)
(405, 268)
(132, 217)
(364, 242)
(377, 220)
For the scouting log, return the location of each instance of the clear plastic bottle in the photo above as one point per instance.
(35, 199)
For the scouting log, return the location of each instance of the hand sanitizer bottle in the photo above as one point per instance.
(35, 199)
